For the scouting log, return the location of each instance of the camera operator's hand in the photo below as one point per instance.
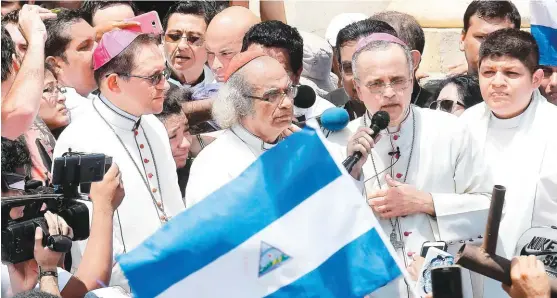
(108, 194)
(46, 258)
(23, 276)
(528, 277)
(31, 22)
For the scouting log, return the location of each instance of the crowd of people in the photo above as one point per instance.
(187, 111)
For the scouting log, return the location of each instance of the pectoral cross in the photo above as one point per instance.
(396, 244)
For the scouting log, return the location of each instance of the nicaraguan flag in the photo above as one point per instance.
(544, 29)
(293, 224)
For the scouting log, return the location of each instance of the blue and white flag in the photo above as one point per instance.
(544, 29)
(293, 224)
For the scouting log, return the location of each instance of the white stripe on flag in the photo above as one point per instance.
(323, 221)
(543, 13)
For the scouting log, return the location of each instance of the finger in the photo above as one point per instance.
(515, 269)
(360, 148)
(47, 15)
(381, 209)
(378, 201)
(506, 288)
(295, 128)
(377, 194)
(365, 144)
(391, 182)
(113, 171)
(127, 24)
(369, 139)
(532, 261)
(64, 227)
(539, 265)
(38, 238)
(51, 223)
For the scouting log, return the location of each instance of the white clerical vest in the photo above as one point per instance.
(522, 155)
(221, 161)
(146, 158)
(445, 162)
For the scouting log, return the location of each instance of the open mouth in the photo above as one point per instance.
(180, 58)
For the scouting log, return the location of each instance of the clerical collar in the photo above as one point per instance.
(251, 140)
(366, 119)
(509, 123)
(116, 116)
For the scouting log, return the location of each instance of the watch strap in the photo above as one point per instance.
(47, 273)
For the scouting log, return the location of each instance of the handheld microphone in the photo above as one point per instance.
(305, 98)
(379, 121)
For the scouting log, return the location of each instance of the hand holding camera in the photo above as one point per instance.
(529, 279)
(108, 194)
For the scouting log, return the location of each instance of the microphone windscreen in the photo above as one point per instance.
(381, 119)
(334, 119)
(305, 97)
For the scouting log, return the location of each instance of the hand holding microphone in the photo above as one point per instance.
(360, 144)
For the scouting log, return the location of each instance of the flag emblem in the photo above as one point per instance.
(270, 258)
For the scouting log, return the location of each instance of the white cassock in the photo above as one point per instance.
(142, 151)
(443, 161)
(521, 153)
(222, 161)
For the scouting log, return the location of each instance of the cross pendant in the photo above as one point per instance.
(396, 244)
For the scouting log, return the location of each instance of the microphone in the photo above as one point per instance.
(305, 98)
(379, 121)
(332, 119)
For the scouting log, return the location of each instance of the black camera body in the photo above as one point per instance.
(69, 171)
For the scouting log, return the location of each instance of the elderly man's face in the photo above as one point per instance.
(548, 88)
(273, 110)
(384, 82)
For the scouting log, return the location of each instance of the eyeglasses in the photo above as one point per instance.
(175, 37)
(53, 91)
(446, 105)
(396, 85)
(153, 80)
(276, 95)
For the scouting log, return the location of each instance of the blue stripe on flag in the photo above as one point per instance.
(359, 268)
(546, 37)
(232, 214)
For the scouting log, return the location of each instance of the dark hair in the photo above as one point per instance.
(34, 294)
(406, 26)
(15, 154)
(58, 36)
(198, 8)
(467, 85)
(360, 29)
(278, 35)
(214, 7)
(514, 43)
(172, 102)
(90, 7)
(11, 17)
(8, 50)
(125, 61)
(487, 9)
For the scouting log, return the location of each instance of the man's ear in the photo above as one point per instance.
(54, 62)
(461, 43)
(112, 83)
(537, 78)
(416, 59)
(16, 65)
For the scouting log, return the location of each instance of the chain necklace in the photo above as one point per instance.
(158, 207)
(393, 236)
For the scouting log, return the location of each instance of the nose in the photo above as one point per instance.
(61, 98)
(185, 144)
(498, 79)
(389, 91)
(217, 64)
(286, 102)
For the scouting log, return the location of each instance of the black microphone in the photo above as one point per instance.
(305, 99)
(379, 121)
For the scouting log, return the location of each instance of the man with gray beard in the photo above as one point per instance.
(255, 107)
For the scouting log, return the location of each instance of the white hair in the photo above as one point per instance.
(381, 45)
(232, 104)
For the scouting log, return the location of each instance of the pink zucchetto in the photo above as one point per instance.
(111, 45)
(378, 37)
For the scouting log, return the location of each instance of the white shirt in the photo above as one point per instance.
(151, 162)
(522, 157)
(78, 105)
(221, 161)
(444, 162)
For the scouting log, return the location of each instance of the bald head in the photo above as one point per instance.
(224, 37)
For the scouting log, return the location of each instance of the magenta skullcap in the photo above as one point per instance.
(112, 44)
(378, 37)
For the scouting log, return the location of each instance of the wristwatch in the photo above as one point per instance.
(43, 273)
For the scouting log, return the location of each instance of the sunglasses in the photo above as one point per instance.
(153, 80)
(175, 37)
(446, 105)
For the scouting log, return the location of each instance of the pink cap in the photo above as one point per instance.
(377, 37)
(112, 43)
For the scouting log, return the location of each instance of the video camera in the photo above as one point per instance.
(69, 172)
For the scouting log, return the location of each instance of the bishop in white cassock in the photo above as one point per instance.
(121, 126)
(425, 177)
(515, 128)
(255, 105)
